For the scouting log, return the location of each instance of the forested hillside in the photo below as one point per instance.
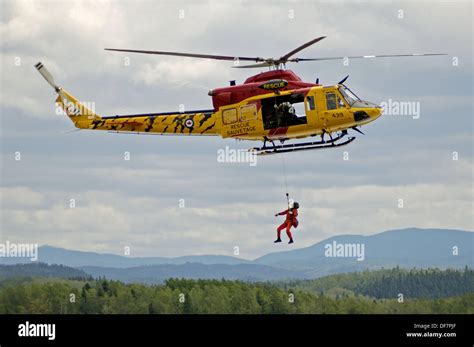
(203, 296)
(41, 270)
(414, 283)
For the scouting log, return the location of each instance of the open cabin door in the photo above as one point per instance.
(282, 111)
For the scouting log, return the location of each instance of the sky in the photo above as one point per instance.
(173, 197)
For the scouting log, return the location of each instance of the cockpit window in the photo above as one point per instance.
(350, 97)
(331, 101)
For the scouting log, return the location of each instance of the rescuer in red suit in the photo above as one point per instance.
(291, 220)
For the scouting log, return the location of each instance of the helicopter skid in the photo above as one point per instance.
(266, 150)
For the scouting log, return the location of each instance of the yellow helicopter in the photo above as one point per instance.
(271, 106)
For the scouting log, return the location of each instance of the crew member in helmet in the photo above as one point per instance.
(290, 221)
(282, 113)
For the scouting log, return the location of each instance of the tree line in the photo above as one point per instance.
(181, 296)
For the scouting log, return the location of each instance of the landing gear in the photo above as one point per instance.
(265, 139)
(333, 142)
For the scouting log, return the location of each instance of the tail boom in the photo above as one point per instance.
(191, 123)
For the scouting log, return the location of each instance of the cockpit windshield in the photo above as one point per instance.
(347, 94)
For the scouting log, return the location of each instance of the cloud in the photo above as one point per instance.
(106, 221)
(19, 196)
(135, 203)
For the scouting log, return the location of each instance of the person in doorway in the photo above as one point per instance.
(282, 112)
(291, 221)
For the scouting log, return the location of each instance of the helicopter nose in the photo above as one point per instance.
(368, 112)
(376, 112)
(373, 110)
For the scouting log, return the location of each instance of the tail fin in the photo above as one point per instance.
(81, 115)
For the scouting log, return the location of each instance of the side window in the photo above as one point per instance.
(229, 116)
(248, 112)
(310, 101)
(331, 101)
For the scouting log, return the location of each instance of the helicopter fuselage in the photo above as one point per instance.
(287, 112)
(277, 115)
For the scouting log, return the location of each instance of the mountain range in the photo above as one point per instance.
(406, 248)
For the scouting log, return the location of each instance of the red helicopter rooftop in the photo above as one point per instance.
(251, 87)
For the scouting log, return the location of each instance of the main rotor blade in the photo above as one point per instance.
(191, 55)
(264, 64)
(367, 57)
(300, 48)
